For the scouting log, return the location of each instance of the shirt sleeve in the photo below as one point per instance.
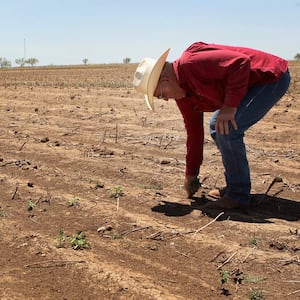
(193, 121)
(227, 66)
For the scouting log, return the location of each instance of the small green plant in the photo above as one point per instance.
(254, 241)
(256, 294)
(116, 192)
(224, 276)
(79, 242)
(3, 214)
(73, 202)
(61, 240)
(30, 205)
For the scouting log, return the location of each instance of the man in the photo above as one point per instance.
(240, 85)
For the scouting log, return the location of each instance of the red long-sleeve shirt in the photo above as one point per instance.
(216, 75)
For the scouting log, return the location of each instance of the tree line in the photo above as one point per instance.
(4, 63)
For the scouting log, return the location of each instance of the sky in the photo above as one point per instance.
(65, 32)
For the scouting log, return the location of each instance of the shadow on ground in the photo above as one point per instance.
(262, 209)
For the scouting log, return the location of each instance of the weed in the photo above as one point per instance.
(116, 192)
(254, 241)
(61, 240)
(79, 242)
(256, 294)
(3, 214)
(73, 202)
(224, 276)
(31, 205)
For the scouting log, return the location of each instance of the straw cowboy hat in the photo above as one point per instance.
(147, 75)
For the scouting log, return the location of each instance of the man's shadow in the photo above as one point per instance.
(262, 209)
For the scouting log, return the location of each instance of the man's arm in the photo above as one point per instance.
(193, 121)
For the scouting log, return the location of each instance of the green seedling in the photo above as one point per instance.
(224, 276)
(61, 240)
(79, 242)
(254, 241)
(256, 294)
(3, 214)
(73, 202)
(116, 192)
(31, 205)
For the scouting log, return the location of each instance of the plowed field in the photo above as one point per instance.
(92, 204)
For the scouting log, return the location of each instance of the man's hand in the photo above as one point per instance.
(226, 115)
(191, 185)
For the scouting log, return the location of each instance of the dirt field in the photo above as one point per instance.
(92, 203)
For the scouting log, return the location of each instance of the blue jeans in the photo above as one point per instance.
(257, 102)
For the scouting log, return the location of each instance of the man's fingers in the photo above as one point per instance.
(192, 185)
(222, 126)
(219, 127)
(226, 127)
(234, 124)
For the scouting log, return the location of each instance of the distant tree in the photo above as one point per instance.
(20, 61)
(4, 63)
(85, 61)
(32, 61)
(297, 56)
(126, 60)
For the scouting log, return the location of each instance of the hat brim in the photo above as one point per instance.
(153, 79)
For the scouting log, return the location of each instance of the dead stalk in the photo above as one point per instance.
(295, 260)
(23, 145)
(9, 163)
(276, 179)
(215, 219)
(277, 193)
(183, 254)
(134, 229)
(227, 260)
(293, 293)
(167, 145)
(53, 263)
(216, 256)
(250, 252)
(154, 235)
(15, 192)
